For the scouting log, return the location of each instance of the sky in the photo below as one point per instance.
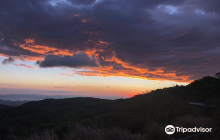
(106, 48)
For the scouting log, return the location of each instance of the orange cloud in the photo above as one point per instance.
(66, 74)
(82, 19)
(132, 72)
(103, 42)
(24, 65)
(127, 70)
(32, 47)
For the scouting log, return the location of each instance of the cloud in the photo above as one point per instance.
(78, 60)
(164, 40)
(24, 65)
(8, 61)
(67, 74)
(82, 2)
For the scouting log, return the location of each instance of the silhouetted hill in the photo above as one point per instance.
(204, 90)
(145, 114)
(12, 103)
(65, 103)
(4, 106)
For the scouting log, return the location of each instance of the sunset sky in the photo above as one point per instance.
(106, 48)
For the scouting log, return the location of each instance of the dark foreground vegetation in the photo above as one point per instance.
(142, 117)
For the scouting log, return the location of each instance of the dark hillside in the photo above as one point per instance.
(204, 90)
(145, 114)
(12, 103)
(4, 106)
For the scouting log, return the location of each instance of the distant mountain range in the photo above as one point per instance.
(19, 99)
(37, 97)
(12, 103)
(32, 97)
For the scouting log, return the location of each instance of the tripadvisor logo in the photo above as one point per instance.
(170, 129)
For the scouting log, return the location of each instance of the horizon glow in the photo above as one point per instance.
(17, 79)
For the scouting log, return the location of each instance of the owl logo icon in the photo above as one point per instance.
(169, 129)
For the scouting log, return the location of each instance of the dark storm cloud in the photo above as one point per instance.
(180, 36)
(76, 61)
(209, 6)
(11, 50)
(83, 2)
(8, 61)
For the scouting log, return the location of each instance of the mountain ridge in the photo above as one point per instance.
(159, 108)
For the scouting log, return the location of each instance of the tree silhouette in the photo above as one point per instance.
(217, 75)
